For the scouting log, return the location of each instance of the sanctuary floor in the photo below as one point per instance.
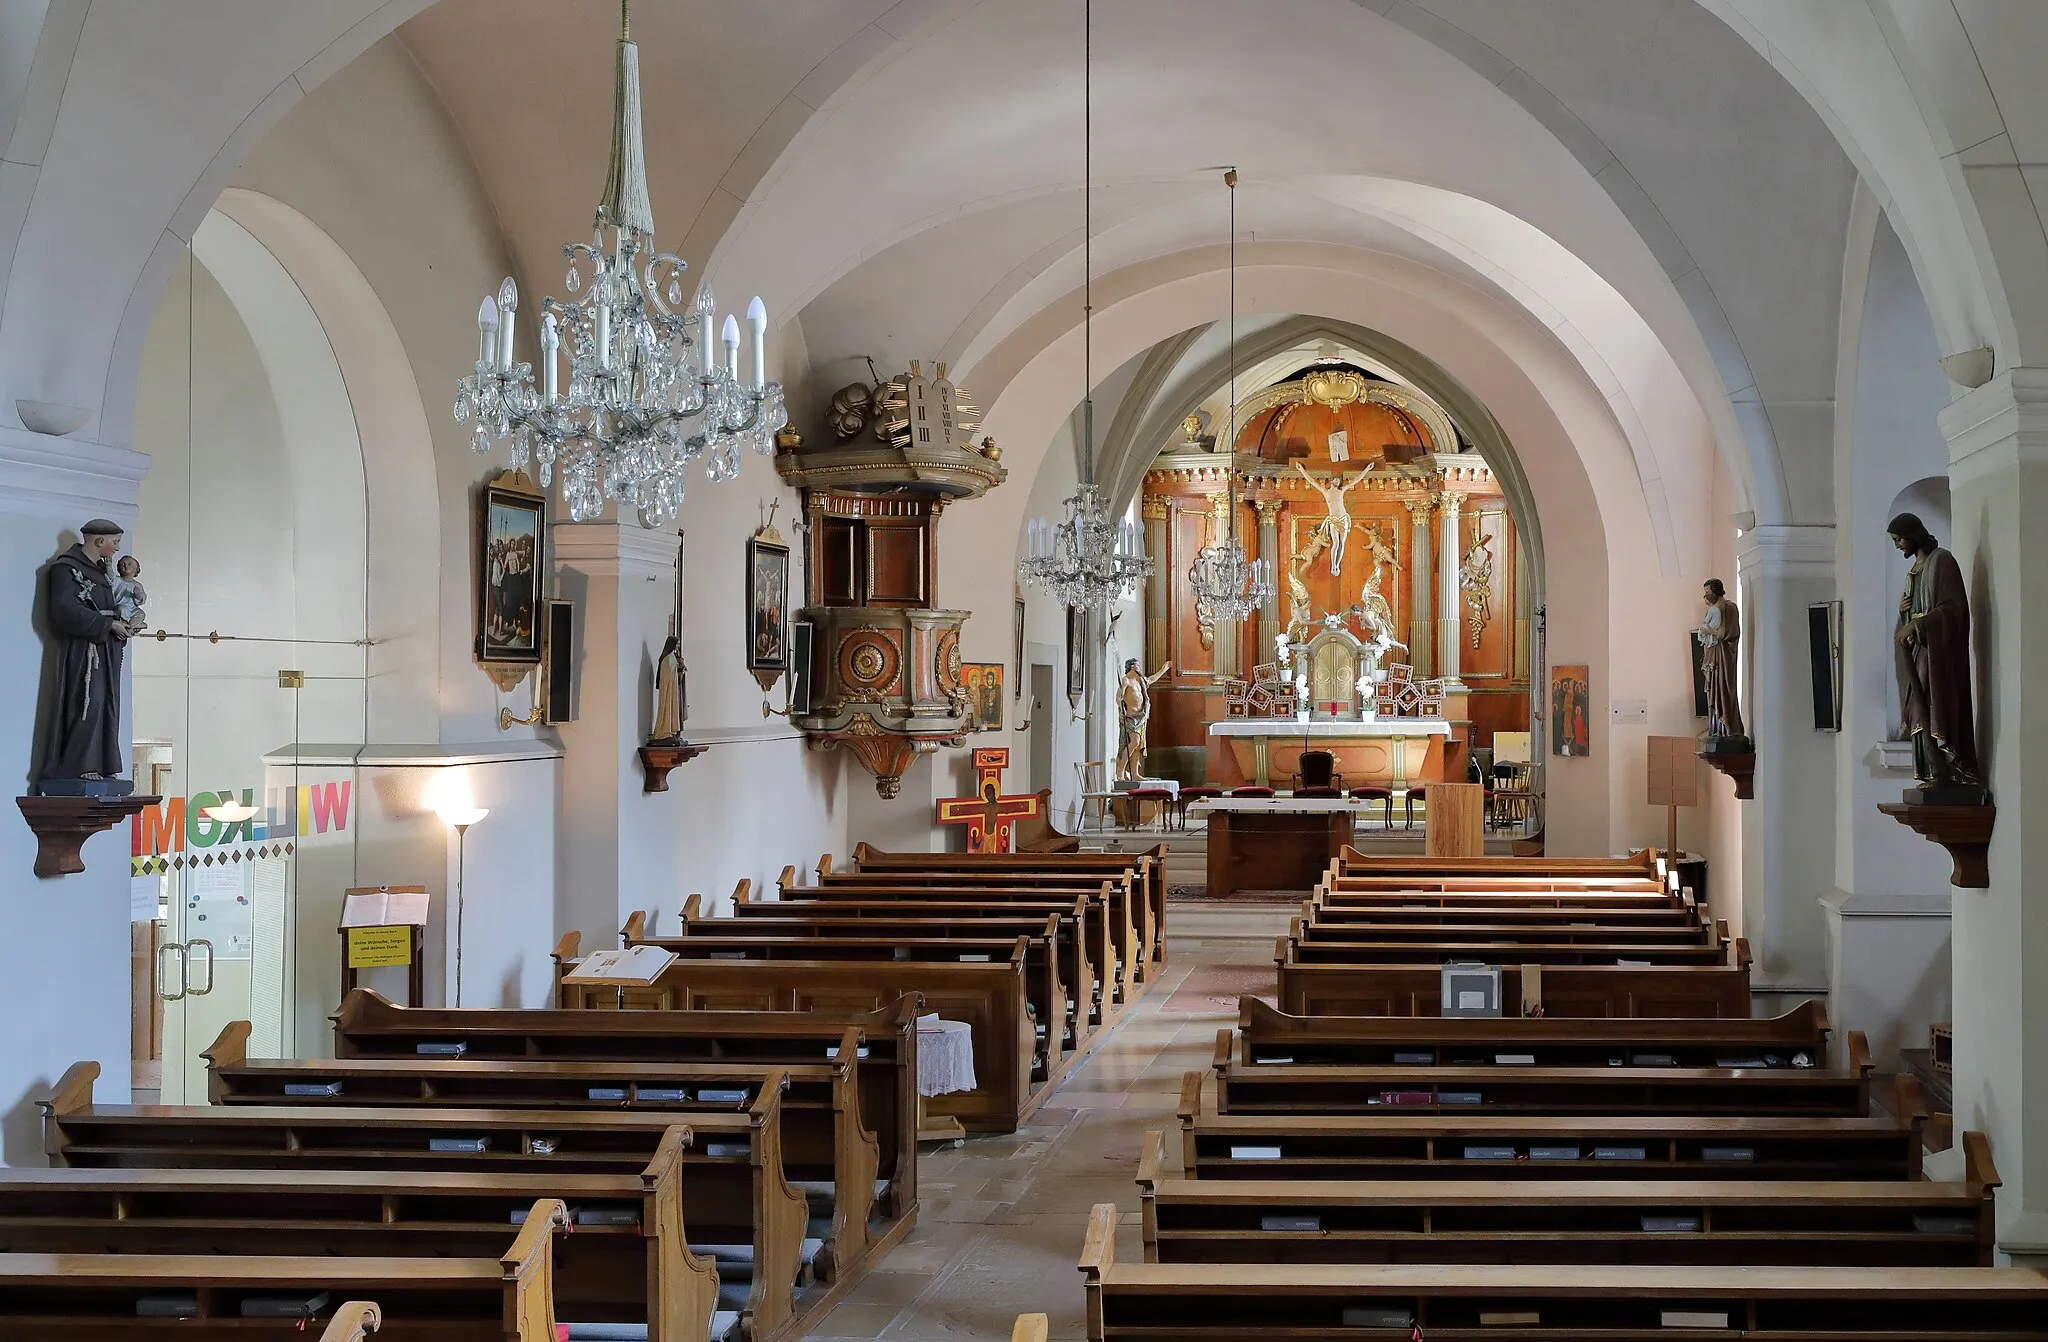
(1002, 1218)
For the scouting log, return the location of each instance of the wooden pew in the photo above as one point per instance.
(1413, 893)
(1147, 868)
(95, 1296)
(1901, 1223)
(1627, 1302)
(991, 997)
(882, 1045)
(1045, 988)
(1267, 1034)
(638, 1271)
(1396, 1145)
(827, 1152)
(1085, 985)
(1339, 910)
(1028, 1328)
(734, 1191)
(353, 1322)
(1491, 1086)
(1429, 934)
(1331, 951)
(1351, 862)
(1120, 950)
(1568, 990)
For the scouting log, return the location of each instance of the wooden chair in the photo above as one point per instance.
(1094, 777)
(1318, 774)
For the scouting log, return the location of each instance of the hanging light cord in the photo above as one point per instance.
(1230, 411)
(1088, 240)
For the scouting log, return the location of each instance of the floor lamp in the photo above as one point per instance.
(459, 819)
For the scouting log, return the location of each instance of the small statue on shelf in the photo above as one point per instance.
(671, 676)
(1931, 644)
(1720, 637)
(82, 728)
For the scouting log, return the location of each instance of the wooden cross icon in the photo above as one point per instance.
(989, 816)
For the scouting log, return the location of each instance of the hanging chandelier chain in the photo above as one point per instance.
(1091, 557)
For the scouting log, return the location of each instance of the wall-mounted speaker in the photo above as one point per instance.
(802, 632)
(1824, 659)
(558, 648)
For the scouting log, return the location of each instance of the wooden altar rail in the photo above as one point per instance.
(639, 1270)
(827, 1151)
(1081, 926)
(1147, 872)
(734, 1189)
(1121, 956)
(501, 1298)
(1625, 1303)
(1900, 1223)
(1074, 973)
(1266, 1033)
(1685, 991)
(880, 1046)
(1395, 1145)
(990, 997)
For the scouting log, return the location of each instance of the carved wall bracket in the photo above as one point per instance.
(63, 824)
(657, 761)
(1741, 768)
(1965, 831)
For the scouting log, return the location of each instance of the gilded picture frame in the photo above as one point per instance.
(509, 580)
(767, 609)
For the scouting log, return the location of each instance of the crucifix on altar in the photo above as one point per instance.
(989, 816)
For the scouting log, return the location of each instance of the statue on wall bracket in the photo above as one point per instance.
(1931, 646)
(1720, 638)
(81, 724)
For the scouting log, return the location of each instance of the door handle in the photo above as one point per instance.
(194, 945)
(163, 979)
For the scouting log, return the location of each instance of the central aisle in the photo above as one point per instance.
(1002, 1218)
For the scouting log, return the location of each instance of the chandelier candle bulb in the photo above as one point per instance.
(487, 331)
(757, 335)
(550, 347)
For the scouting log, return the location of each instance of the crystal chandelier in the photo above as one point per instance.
(1090, 558)
(635, 412)
(1226, 585)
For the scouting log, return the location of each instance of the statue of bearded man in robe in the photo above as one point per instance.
(1931, 646)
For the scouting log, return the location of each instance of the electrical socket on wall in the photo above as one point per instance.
(1631, 711)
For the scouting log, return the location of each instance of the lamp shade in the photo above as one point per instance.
(460, 817)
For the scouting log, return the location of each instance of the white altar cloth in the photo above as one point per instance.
(1290, 728)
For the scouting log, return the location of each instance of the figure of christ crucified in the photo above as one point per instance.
(1336, 523)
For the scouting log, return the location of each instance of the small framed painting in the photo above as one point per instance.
(510, 579)
(1077, 656)
(767, 606)
(1570, 711)
(983, 682)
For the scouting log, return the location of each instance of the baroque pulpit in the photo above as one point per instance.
(885, 656)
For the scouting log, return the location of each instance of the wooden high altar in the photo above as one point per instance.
(1429, 553)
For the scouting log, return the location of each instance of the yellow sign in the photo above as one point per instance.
(371, 947)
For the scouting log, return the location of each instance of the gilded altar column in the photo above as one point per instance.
(1421, 596)
(1450, 613)
(1269, 550)
(1154, 510)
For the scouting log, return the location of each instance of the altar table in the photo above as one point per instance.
(1274, 843)
(1386, 752)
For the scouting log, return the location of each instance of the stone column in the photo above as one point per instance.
(1787, 830)
(612, 845)
(1421, 596)
(1998, 481)
(1158, 587)
(1451, 609)
(1269, 550)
